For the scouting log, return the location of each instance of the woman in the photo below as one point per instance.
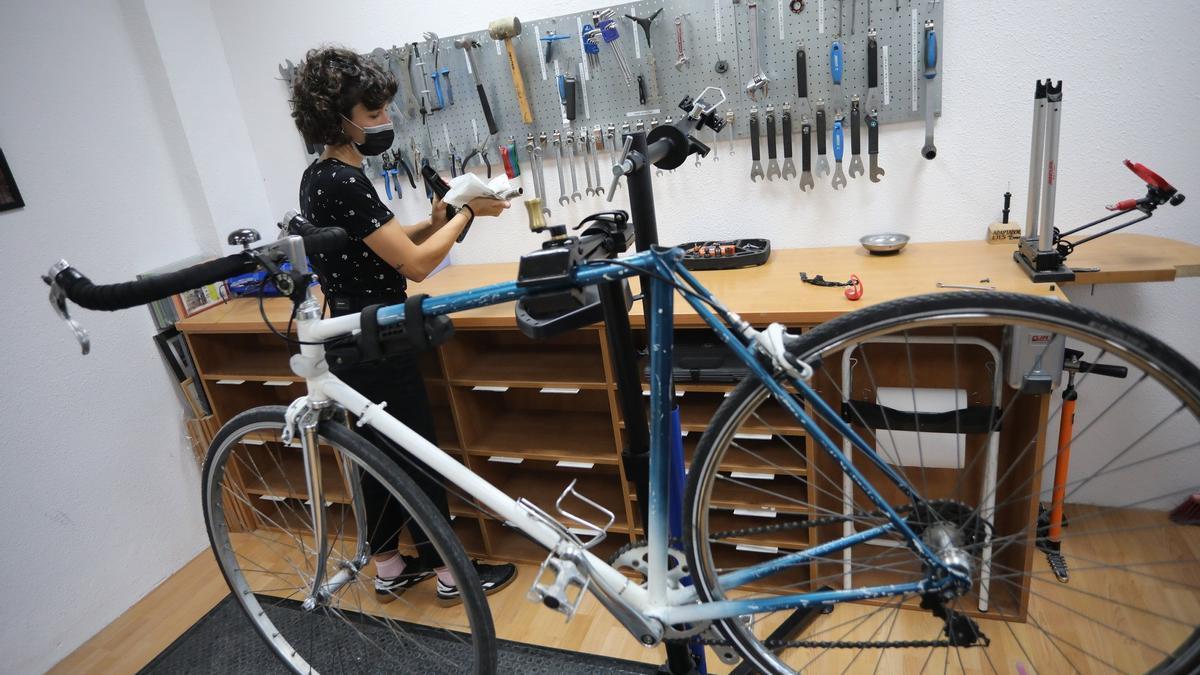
(338, 101)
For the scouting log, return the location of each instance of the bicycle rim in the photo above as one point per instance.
(257, 508)
(1131, 597)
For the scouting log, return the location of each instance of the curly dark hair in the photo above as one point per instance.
(328, 83)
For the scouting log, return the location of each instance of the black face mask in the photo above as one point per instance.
(379, 138)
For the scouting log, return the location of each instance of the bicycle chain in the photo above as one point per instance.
(803, 524)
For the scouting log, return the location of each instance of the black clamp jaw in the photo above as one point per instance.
(682, 143)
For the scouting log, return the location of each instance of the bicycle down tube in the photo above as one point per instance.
(661, 267)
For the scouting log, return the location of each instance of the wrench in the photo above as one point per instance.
(873, 146)
(729, 118)
(539, 155)
(856, 165)
(681, 58)
(715, 157)
(760, 82)
(569, 139)
(822, 162)
(929, 150)
(594, 150)
(789, 167)
(969, 287)
(587, 167)
(839, 178)
(563, 199)
(806, 177)
(772, 163)
(756, 171)
(872, 113)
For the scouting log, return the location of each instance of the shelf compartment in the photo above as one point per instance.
(246, 356)
(508, 358)
(527, 424)
(281, 473)
(291, 515)
(697, 409)
(784, 494)
(772, 456)
(789, 540)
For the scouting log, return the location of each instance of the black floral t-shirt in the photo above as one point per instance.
(335, 194)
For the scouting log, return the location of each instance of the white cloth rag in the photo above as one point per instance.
(468, 186)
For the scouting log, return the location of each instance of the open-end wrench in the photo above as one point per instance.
(756, 170)
(806, 177)
(873, 146)
(569, 139)
(872, 112)
(772, 163)
(929, 150)
(582, 142)
(759, 84)
(856, 165)
(789, 167)
(594, 151)
(822, 161)
(539, 154)
(681, 58)
(532, 155)
(729, 119)
(839, 178)
(563, 199)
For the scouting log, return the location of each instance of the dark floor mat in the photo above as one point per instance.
(223, 641)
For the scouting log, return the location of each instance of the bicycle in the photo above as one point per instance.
(896, 531)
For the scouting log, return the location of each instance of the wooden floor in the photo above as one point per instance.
(1095, 594)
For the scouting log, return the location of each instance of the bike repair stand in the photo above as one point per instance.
(665, 147)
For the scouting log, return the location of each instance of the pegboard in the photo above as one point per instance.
(713, 30)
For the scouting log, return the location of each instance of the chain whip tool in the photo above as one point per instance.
(760, 83)
(856, 165)
(839, 178)
(772, 163)
(789, 167)
(873, 112)
(563, 199)
(822, 160)
(929, 151)
(756, 170)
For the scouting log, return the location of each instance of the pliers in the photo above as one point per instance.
(481, 152)
(401, 164)
(391, 175)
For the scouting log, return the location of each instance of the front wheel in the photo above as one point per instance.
(259, 515)
(1077, 565)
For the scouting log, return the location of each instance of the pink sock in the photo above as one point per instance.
(390, 568)
(444, 576)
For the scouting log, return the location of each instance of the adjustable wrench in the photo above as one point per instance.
(806, 177)
(759, 82)
(772, 164)
(594, 150)
(929, 151)
(587, 167)
(756, 170)
(822, 162)
(563, 199)
(569, 139)
(856, 165)
(789, 167)
(839, 178)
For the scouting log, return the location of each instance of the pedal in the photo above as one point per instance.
(556, 593)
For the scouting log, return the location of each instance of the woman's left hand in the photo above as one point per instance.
(438, 217)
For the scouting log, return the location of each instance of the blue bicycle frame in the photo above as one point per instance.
(666, 274)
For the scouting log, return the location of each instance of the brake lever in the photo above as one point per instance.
(58, 300)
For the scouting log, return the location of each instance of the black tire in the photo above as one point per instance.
(1163, 365)
(479, 656)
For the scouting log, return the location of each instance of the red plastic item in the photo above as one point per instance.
(855, 290)
(1152, 179)
(1124, 205)
(508, 168)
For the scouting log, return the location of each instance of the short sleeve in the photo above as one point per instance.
(355, 205)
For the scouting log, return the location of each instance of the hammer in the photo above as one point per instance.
(506, 29)
(469, 44)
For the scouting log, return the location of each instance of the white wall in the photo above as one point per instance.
(99, 497)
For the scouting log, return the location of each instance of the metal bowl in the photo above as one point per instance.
(887, 243)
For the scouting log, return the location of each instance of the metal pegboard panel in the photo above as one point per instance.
(713, 31)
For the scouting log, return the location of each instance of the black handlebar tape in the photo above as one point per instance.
(569, 89)
(872, 135)
(802, 73)
(872, 64)
(805, 149)
(820, 131)
(1103, 369)
(754, 152)
(111, 297)
(493, 128)
(771, 136)
(787, 135)
(855, 148)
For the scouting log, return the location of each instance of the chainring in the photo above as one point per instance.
(634, 557)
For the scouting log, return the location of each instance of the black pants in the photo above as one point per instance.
(399, 382)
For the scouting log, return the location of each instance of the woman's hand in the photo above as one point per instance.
(437, 217)
(486, 206)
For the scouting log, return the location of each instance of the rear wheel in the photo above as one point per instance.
(982, 468)
(257, 509)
